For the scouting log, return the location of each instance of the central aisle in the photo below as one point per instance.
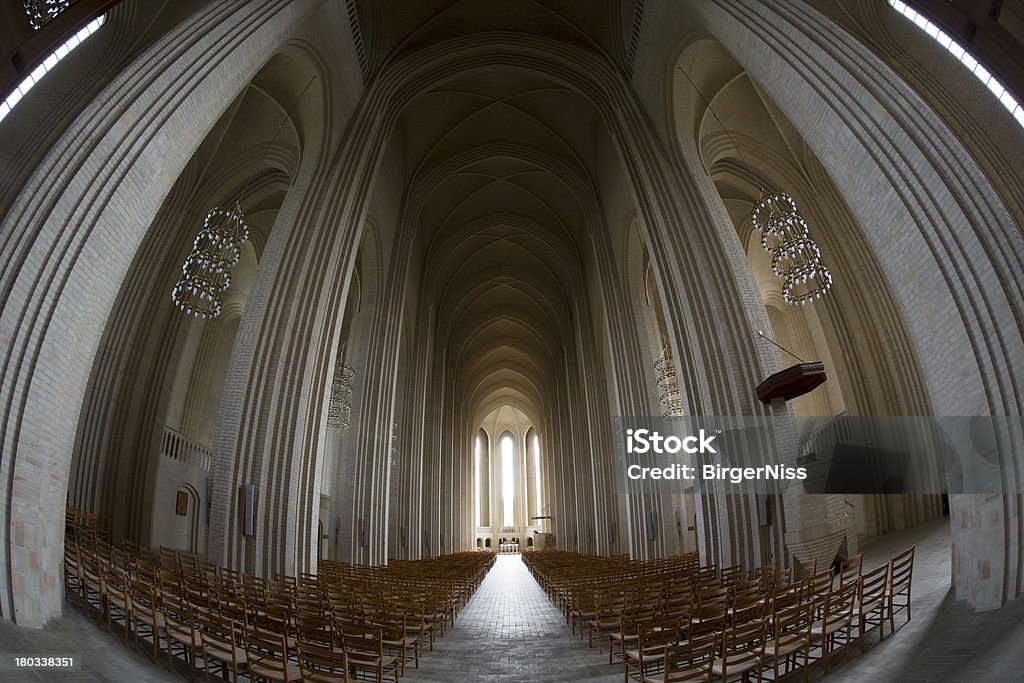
(509, 631)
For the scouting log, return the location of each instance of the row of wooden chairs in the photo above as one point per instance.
(309, 627)
(700, 623)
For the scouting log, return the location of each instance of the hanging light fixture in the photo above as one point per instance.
(393, 458)
(206, 271)
(339, 409)
(796, 259)
(668, 385)
(217, 248)
(41, 12)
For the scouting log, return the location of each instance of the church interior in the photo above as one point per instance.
(322, 323)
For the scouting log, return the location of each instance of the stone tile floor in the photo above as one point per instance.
(510, 632)
(946, 640)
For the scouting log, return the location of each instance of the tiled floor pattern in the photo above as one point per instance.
(510, 632)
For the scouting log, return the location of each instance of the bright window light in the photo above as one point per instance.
(477, 477)
(980, 72)
(536, 469)
(507, 486)
(60, 53)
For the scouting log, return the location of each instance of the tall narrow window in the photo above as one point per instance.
(507, 489)
(536, 470)
(476, 475)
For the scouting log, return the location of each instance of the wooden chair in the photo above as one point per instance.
(749, 608)
(221, 638)
(901, 574)
(170, 582)
(396, 640)
(147, 620)
(606, 618)
(688, 662)
(732, 575)
(871, 607)
(417, 626)
(788, 596)
(90, 584)
(116, 599)
(742, 590)
(709, 619)
(819, 585)
(267, 656)
(835, 622)
(182, 632)
(652, 641)
(315, 630)
(742, 651)
(791, 639)
(71, 571)
(365, 648)
(851, 569)
(631, 620)
(322, 664)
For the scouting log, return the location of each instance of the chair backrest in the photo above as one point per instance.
(839, 606)
(657, 635)
(231, 607)
(743, 591)
(315, 630)
(752, 608)
(216, 630)
(179, 616)
(712, 595)
(788, 595)
(115, 580)
(322, 664)
(143, 599)
(170, 581)
(690, 661)
(168, 558)
(742, 646)
(873, 587)
(733, 574)
(267, 653)
(820, 584)
(792, 626)
(901, 571)
(362, 639)
(852, 569)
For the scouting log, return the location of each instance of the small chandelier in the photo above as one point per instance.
(668, 385)
(216, 248)
(796, 259)
(41, 12)
(393, 457)
(339, 409)
(205, 273)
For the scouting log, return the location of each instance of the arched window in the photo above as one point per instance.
(507, 486)
(476, 486)
(536, 473)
